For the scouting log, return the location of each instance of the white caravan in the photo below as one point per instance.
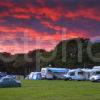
(53, 73)
(78, 74)
(75, 74)
(87, 73)
(95, 77)
(96, 67)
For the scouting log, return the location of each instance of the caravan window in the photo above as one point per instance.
(72, 73)
(50, 72)
(80, 73)
(98, 72)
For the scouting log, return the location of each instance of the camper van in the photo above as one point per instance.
(53, 73)
(95, 77)
(75, 74)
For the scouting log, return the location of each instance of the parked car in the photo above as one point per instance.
(11, 76)
(9, 82)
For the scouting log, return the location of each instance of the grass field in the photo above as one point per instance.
(52, 90)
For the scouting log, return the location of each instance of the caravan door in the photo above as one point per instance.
(81, 75)
(49, 74)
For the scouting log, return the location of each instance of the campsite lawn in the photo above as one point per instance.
(52, 90)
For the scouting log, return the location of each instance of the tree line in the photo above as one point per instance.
(73, 53)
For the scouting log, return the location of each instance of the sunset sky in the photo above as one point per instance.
(26, 25)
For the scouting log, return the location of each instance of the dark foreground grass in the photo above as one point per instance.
(52, 90)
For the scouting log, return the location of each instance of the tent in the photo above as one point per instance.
(35, 76)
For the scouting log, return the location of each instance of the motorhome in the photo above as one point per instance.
(95, 75)
(75, 74)
(53, 73)
(78, 74)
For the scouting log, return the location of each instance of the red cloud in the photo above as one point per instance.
(16, 48)
(2, 20)
(46, 12)
(66, 34)
(56, 13)
(3, 14)
(8, 29)
(7, 4)
(86, 13)
(19, 10)
(42, 39)
(49, 13)
(50, 25)
(22, 16)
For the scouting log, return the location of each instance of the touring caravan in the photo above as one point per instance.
(53, 73)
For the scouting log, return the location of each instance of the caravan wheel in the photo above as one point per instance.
(66, 79)
(70, 79)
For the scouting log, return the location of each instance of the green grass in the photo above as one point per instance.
(52, 90)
